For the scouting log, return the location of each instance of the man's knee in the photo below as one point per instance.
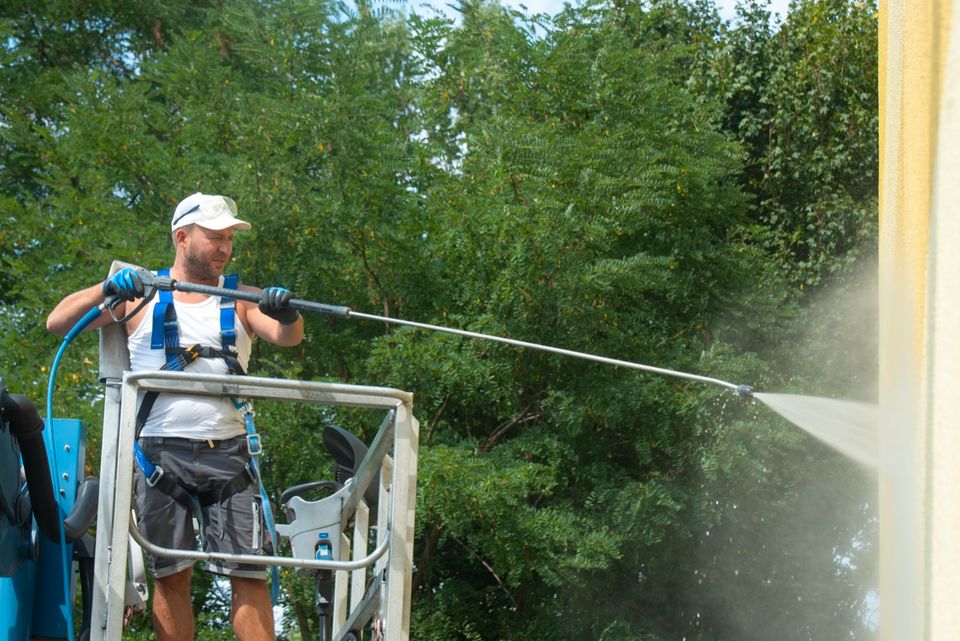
(172, 612)
(173, 583)
(245, 586)
(252, 610)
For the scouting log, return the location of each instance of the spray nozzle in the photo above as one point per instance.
(745, 391)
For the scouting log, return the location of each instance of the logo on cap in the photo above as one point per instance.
(210, 212)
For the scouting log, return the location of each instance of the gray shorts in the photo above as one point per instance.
(234, 525)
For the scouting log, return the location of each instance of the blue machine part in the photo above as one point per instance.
(16, 603)
(31, 599)
(14, 534)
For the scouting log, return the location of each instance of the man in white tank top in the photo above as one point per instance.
(199, 439)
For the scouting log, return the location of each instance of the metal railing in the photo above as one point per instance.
(372, 586)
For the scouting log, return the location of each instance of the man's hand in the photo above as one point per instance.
(274, 303)
(125, 284)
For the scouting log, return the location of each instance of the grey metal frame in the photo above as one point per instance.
(393, 554)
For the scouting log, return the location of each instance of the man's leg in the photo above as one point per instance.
(172, 612)
(167, 523)
(252, 609)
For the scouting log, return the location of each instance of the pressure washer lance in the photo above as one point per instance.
(167, 283)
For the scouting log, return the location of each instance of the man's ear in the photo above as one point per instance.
(179, 235)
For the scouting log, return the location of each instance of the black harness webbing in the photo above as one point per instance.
(166, 336)
(184, 358)
(154, 473)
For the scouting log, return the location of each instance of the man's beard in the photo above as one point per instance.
(198, 269)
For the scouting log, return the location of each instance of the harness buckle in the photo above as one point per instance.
(228, 339)
(254, 446)
(155, 476)
(193, 352)
(179, 358)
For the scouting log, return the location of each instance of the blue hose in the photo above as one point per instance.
(90, 316)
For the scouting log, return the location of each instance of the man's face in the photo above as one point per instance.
(206, 251)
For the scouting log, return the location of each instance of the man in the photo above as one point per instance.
(200, 442)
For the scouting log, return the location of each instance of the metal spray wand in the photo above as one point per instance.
(167, 283)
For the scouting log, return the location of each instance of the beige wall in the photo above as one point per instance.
(920, 319)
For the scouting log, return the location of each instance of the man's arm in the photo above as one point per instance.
(274, 323)
(124, 284)
(72, 308)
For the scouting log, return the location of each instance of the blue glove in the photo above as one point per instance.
(274, 303)
(125, 284)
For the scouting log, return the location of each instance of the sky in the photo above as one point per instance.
(726, 7)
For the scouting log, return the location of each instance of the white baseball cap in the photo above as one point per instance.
(210, 212)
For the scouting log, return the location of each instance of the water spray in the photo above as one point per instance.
(156, 283)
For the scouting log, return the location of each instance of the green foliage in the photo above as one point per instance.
(636, 180)
(802, 97)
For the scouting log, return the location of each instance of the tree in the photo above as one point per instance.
(615, 179)
(802, 97)
(597, 210)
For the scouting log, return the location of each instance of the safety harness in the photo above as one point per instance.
(166, 336)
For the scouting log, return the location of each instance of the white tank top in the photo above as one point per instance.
(198, 417)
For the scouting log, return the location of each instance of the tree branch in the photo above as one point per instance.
(505, 427)
(429, 547)
(489, 568)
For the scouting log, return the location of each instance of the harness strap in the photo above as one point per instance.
(184, 356)
(183, 495)
(223, 492)
(228, 330)
(166, 335)
(253, 446)
(165, 332)
(154, 473)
